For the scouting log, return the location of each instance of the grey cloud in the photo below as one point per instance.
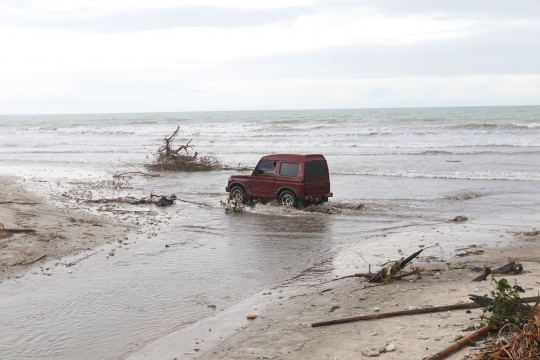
(187, 16)
(492, 8)
(500, 51)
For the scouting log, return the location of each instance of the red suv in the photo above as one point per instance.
(292, 179)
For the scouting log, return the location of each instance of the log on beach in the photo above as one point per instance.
(473, 305)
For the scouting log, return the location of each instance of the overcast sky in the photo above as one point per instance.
(87, 56)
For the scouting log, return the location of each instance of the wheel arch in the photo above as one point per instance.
(240, 185)
(284, 188)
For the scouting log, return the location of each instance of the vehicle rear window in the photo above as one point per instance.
(316, 169)
(288, 169)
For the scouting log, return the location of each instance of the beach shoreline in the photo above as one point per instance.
(282, 329)
(42, 233)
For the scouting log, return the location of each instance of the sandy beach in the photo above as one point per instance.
(55, 233)
(282, 330)
(284, 314)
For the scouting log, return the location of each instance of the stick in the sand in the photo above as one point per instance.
(368, 276)
(18, 203)
(381, 274)
(76, 261)
(471, 305)
(483, 277)
(397, 313)
(193, 202)
(31, 262)
(461, 343)
(19, 231)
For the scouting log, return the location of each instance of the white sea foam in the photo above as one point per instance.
(473, 175)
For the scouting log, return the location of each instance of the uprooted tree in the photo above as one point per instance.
(181, 158)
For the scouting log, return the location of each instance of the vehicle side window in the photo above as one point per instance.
(316, 169)
(289, 169)
(266, 167)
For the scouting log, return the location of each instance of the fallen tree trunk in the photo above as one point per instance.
(386, 273)
(471, 305)
(461, 343)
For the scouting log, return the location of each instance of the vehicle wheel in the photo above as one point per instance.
(287, 198)
(238, 194)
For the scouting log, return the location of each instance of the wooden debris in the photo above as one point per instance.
(471, 252)
(398, 313)
(515, 343)
(31, 262)
(461, 343)
(78, 260)
(20, 231)
(472, 305)
(510, 268)
(483, 276)
(416, 271)
(181, 158)
(524, 309)
(18, 203)
(386, 273)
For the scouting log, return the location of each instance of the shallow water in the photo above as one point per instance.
(405, 166)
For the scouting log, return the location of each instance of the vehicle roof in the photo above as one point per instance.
(293, 157)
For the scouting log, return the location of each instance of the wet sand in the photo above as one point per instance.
(282, 329)
(58, 233)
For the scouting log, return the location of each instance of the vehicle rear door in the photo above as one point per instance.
(317, 178)
(262, 180)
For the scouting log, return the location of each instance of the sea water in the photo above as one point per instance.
(389, 168)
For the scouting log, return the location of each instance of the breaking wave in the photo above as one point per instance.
(479, 175)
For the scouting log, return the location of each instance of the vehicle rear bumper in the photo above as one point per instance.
(319, 197)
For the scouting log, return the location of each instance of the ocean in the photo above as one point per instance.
(390, 169)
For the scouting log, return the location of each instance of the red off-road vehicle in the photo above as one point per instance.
(292, 179)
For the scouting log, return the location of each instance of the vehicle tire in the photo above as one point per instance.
(287, 198)
(237, 193)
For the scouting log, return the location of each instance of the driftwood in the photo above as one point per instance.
(471, 252)
(173, 197)
(415, 271)
(386, 273)
(472, 305)
(78, 260)
(510, 268)
(168, 158)
(398, 313)
(192, 202)
(364, 275)
(18, 203)
(128, 200)
(20, 231)
(31, 262)
(524, 309)
(132, 170)
(483, 276)
(461, 343)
